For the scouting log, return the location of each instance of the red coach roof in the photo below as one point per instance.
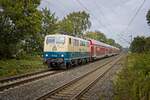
(95, 42)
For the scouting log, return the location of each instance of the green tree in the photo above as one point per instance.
(65, 26)
(49, 26)
(138, 44)
(75, 23)
(147, 44)
(49, 22)
(19, 22)
(111, 42)
(97, 35)
(148, 17)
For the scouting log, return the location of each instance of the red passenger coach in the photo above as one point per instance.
(100, 49)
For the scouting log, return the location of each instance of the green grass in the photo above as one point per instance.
(133, 82)
(15, 67)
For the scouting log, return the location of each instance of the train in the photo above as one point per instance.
(64, 51)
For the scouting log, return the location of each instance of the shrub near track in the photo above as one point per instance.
(133, 82)
(12, 67)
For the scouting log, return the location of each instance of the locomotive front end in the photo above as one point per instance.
(55, 50)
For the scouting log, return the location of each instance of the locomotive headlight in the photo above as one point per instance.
(46, 55)
(62, 55)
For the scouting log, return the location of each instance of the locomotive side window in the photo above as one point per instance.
(81, 43)
(70, 41)
(75, 42)
(87, 44)
(50, 40)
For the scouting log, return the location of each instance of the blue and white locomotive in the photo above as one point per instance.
(65, 50)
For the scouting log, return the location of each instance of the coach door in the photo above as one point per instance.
(94, 51)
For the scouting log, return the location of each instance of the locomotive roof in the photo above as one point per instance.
(68, 36)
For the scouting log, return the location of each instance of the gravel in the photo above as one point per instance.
(103, 89)
(35, 89)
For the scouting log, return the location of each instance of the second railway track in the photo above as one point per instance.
(22, 79)
(74, 89)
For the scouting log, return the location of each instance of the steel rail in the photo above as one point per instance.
(25, 79)
(3, 80)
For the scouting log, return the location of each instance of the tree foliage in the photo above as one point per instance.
(49, 26)
(19, 21)
(97, 35)
(133, 81)
(140, 44)
(148, 17)
(49, 22)
(75, 23)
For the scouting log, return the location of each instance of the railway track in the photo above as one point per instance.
(22, 79)
(14, 81)
(74, 89)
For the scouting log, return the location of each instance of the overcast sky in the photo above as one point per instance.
(108, 16)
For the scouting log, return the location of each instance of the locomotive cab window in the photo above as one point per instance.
(50, 40)
(60, 40)
(57, 40)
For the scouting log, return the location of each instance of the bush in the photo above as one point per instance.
(133, 82)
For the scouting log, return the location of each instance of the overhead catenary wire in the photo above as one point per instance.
(101, 13)
(60, 10)
(100, 22)
(130, 22)
(134, 16)
(138, 10)
(96, 18)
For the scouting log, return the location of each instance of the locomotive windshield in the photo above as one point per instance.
(56, 39)
(50, 40)
(60, 40)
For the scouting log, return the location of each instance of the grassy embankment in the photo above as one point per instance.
(15, 67)
(133, 82)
